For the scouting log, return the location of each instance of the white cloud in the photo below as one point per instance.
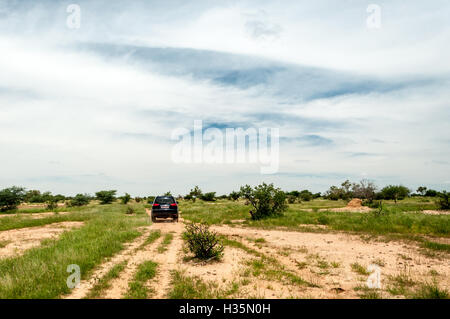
(75, 120)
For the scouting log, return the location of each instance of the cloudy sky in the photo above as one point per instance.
(94, 107)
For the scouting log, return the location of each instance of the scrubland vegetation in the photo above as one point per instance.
(111, 223)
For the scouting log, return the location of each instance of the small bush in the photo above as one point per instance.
(130, 210)
(234, 195)
(291, 199)
(125, 198)
(431, 291)
(80, 200)
(203, 243)
(209, 197)
(266, 200)
(150, 199)
(443, 201)
(52, 203)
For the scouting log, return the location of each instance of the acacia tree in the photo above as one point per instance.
(421, 190)
(11, 197)
(266, 200)
(106, 197)
(395, 192)
(234, 195)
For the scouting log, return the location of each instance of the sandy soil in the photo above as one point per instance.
(322, 259)
(436, 212)
(34, 215)
(99, 272)
(16, 241)
(293, 248)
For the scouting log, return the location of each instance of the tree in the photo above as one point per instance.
(365, 189)
(11, 197)
(168, 193)
(106, 197)
(294, 193)
(125, 198)
(209, 197)
(335, 193)
(431, 193)
(444, 201)
(33, 196)
(266, 200)
(80, 200)
(291, 199)
(395, 192)
(317, 195)
(305, 195)
(150, 199)
(344, 192)
(196, 191)
(234, 195)
(421, 190)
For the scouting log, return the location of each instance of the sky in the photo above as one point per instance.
(94, 107)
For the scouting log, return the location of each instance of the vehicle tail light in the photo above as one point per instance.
(173, 204)
(155, 205)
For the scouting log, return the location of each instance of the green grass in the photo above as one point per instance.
(154, 235)
(105, 282)
(365, 292)
(401, 218)
(16, 222)
(137, 288)
(436, 246)
(165, 243)
(431, 291)
(359, 269)
(267, 267)
(4, 243)
(41, 272)
(185, 287)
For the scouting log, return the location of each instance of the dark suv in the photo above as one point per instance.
(165, 207)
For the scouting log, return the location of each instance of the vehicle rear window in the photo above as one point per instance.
(164, 200)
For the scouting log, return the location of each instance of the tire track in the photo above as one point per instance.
(86, 285)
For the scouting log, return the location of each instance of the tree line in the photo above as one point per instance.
(12, 197)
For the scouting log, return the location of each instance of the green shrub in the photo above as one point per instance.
(106, 197)
(52, 203)
(203, 243)
(125, 198)
(443, 201)
(234, 195)
(305, 195)
(395, 192)
(291, 199)
(266, 200)
(209, 197)
(130, 210)
(11, 197)
(80, 200)
(150, 199)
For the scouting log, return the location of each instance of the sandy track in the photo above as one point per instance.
(34, 215)
(289, 248)
(86, 285)
(17, 241)
(169, 260)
